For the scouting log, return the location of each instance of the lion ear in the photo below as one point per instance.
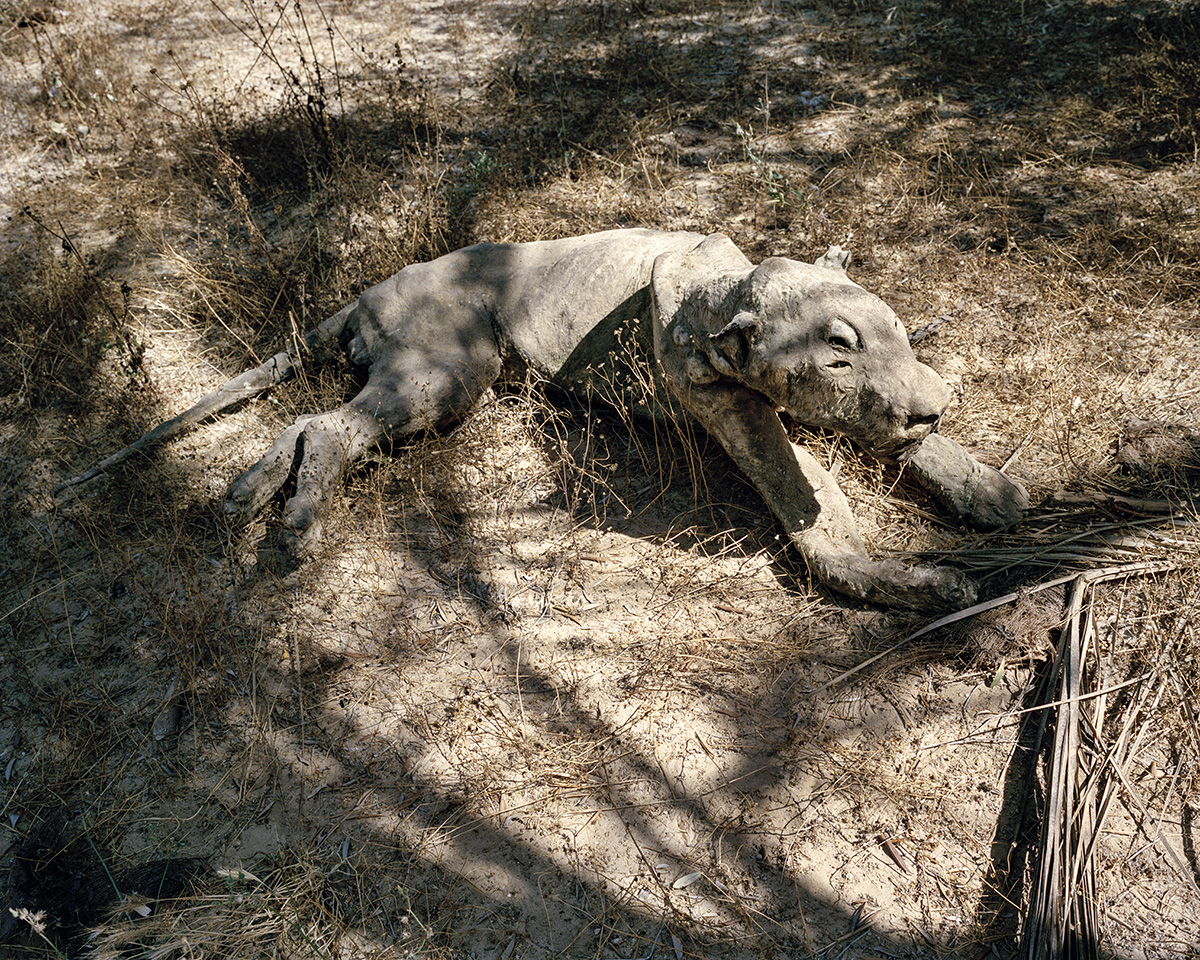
(835, 258)
(731, 344)
(696, 281)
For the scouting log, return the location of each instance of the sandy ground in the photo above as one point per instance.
(555, 688)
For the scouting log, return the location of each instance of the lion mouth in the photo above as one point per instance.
(901, 447)
(895, 447)
(907, 446)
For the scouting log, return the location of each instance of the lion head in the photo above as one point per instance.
(805, 336)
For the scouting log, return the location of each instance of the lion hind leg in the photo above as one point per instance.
(316, 450)
(251, 491)
(397, 402)
(325, 446)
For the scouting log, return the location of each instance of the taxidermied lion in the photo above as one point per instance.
(731, 344)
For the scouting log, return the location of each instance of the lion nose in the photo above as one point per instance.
(928, 398)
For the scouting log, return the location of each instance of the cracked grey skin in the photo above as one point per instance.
(688, 318)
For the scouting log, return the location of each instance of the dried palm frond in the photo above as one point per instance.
(1063, 917)
(1078, 541)
(1084, 769)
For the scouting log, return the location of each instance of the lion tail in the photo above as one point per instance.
(283, 366)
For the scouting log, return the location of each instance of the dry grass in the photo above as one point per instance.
(555, 688)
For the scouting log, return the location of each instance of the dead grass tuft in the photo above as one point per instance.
(67, 337)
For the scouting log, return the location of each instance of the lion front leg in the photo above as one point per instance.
(813, 509)
(979, 494)
(834, 552)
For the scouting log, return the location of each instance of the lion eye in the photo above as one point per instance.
(842, 336)
(838, 365)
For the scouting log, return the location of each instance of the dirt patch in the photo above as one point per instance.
(556, 687)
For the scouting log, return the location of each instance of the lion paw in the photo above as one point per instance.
(890, 582)
(979, 494)
(996, 502)
(254, 489)
(922, 587)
